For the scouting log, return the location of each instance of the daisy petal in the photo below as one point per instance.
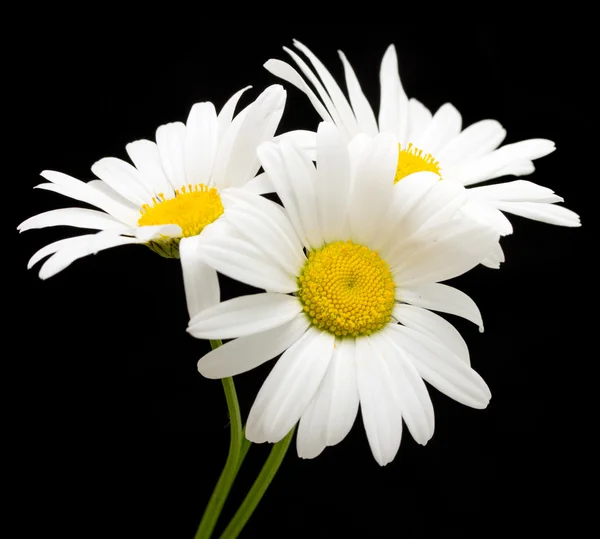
(378, 402)
(409, 389)
(66, 256)
(495, 258)
(59, 245)
(290, 387)
(334, 408)
(200, 281)
(260, 185)
(546, 213)
(236, 162)
(360, 105)
(443, 128)
(332, 185)
(301, 139)
(226, 113)
(419, 118)
(76, 217)
(157, 232)
(434, 326)
(78, 190)
(170, 139)
(201, 142)
(441, 368)
(476, 140)
(246, 353)
(486, 214)
(244, 316)
(124, 179)
(517, 191)
(442, 298)
(393, 109)
(145, 157)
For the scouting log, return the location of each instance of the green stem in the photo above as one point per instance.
(259, 487)
(227, 477)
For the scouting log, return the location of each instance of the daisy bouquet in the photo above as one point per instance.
(367, 216)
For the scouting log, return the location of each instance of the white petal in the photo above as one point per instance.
(444, 126)
(77, 217)
(244, 262)
(332, 412)
(362, 109)
(443, 252)
(59, 245)
(302, 139)
(244, 316)
(290, 387)
(201, 142)
(200, 281)
(98, 242)
(236, 162)
(486, 214)
(379, 404)
(285, 250)
(516, 191)
(260, 185)
(393, 108)
(124, 179)
(170, 139)
(434, 326)
(441, 368)
(333, 182)
(288, 73)
(546, 213)
(495, 258)
(372, 187)
(106, 190)
(476, 140)
(408, 387)
(226, 113)
(494, 164)
(145, 157)
(157, 232)
(293, 175)
(73, 188)
(247, 353)
(419, 118)
(442, 298)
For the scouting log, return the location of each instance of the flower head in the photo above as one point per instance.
(434, 142)
(171, 194)
(350, 267)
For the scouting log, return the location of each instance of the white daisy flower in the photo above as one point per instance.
(171, 193)
(350, 267)
(435, 142)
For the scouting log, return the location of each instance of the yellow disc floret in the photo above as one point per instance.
(192, 208)
(347, 289)
(411, 160)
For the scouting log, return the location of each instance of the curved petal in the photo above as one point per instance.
(260, 185)
(247, 353)
(200, 281)
(244, 316)
(419, 118)
(476, 140)
(301, 139)
(76, 217)
(145, 157)
(495, 258)
(236, 161)
(226, 112)
(201, 142)
(124, 179)
(546, 213)
(393, 108)
(290, 387)
(379, 404)
(443, 128)
(333, 410)
(409, 389)
(157, 232)
(515, 191)
(434, 326)
(170, 139)
(442, 298)
(441, 368)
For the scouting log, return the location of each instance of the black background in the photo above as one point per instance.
(115, 434)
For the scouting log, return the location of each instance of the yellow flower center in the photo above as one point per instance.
(411, 160)
(347, 289)
(192, 208)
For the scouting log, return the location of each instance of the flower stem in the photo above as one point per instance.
(259, 487)
(227, 477)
